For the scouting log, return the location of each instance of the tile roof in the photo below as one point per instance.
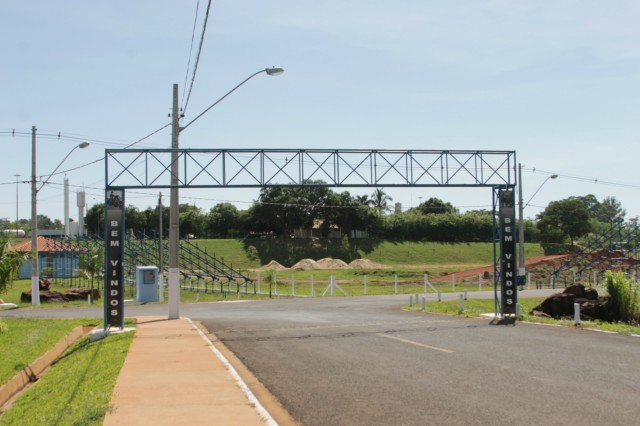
(45, 245)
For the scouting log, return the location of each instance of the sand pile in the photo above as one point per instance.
(273, 265)
(329, 263)
(306, 265)
(366, 264)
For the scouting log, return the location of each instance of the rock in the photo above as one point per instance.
(591, 294)
(44, 284)
(82, 294)
(576, 290)
(45, 296)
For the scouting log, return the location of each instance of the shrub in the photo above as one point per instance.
(622, 297)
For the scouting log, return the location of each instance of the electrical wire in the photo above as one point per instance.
(195, 66)
(193, 35)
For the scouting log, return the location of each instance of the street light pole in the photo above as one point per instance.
(522, 269)
(174, 230)
(35, 273)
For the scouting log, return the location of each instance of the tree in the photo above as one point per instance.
(436, 206)
(222, 219)
(9, 262)
(192, 221)
(564, 218)
(610, 211)
(380, 200)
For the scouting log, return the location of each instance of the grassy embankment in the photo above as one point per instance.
(77, 388)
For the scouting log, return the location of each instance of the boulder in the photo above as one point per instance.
(82, 294)
(559, 305)
(45, 296)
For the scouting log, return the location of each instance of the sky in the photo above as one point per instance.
(556, 81)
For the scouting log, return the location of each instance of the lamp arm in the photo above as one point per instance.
(222, 98)
(56, 169)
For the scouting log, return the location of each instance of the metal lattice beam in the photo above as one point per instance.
(212, 168)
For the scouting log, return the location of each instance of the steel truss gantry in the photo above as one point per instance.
(258, 168)
(236, 168)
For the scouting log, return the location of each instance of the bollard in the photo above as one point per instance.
(479, 282)
(395, 280)
(461, 304)
(529, 281)
(313, 293)
(411, 301)
(293, 285)
(417, 298)
(517, 311)
(576, 314)
(465, 294)
(197, 296)
(424, 304)
(89, 298)
(424, 284)
(439, 296)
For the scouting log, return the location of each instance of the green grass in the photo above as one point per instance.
(27, 339)
(473, 308)
(289, 251)
(78, 387)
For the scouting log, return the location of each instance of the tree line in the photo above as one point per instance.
(279, 211)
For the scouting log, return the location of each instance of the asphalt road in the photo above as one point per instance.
(364, 361)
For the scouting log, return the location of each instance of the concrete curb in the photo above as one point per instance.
(31, 373)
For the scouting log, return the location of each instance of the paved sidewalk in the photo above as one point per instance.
(173, 375)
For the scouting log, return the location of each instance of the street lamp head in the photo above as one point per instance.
(83, 145)
(553, 177)
(274, 71)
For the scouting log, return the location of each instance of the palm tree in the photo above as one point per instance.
(380, 200)
(91, 263)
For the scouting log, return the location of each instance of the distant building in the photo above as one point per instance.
(55, 256)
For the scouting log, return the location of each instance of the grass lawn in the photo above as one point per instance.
(78, 387)
(473, 308)
(27, 339)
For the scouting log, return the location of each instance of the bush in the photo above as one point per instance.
(622, 297)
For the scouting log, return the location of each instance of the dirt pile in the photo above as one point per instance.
(330, 263)
(273, 265)
(366, 264)
(561, 305)
(306, 265)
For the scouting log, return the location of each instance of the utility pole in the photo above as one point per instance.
(17, 227)
(35, 279)
(521, 270)
(160, 250)
(174, 268)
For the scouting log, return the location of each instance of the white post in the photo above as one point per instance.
(293, 285)
(529, 281)
(453, 282)
(426, 279)
(479, 282)
(410, 300)
(576, 314)
(417, 298)
(424, 304)
(517, 311)
(332, 279)
(313, 294)
(461, 303)
(395, 280)
(465, 294)
(160, 286)
(439, 296)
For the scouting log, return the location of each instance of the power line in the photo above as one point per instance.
(193, 34)
(195, 66)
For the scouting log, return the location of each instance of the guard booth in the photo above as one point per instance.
(146, 284)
